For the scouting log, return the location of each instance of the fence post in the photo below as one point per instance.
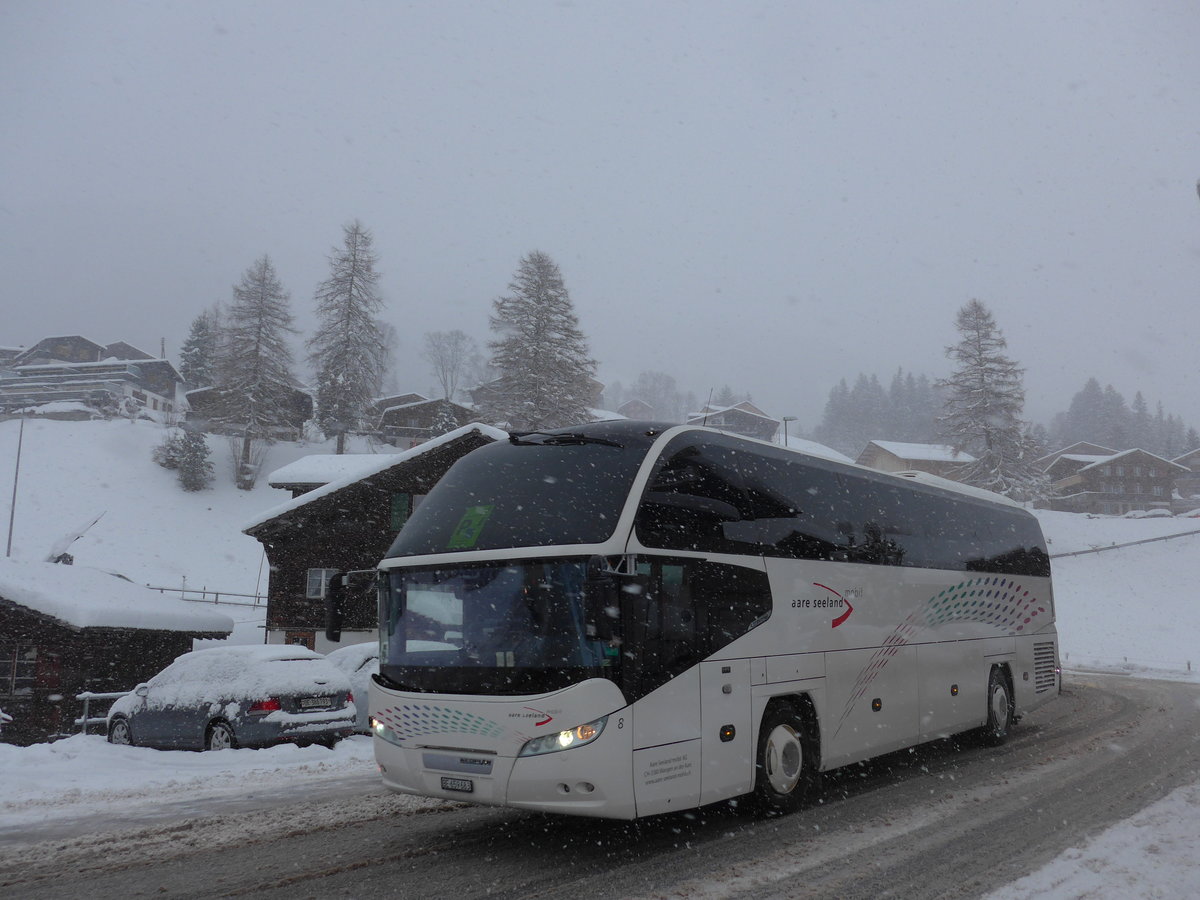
(83, 725)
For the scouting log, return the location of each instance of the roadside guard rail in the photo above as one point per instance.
(86, 698)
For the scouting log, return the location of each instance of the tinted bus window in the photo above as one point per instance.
(712, 494)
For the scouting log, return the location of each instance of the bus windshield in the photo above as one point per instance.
(502, 628)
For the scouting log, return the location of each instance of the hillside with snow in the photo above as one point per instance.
(148, 529)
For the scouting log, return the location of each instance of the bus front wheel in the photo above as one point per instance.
(784, 772)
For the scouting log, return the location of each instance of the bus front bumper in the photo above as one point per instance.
(585, 781)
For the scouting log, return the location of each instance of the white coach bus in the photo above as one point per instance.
(625, 619)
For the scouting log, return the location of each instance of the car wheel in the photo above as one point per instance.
(220, 737)
(1000, 708)
(119, 733)
(784, 775)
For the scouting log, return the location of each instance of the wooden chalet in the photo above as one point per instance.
(1079, 448)
(637, 409)
(899, 456)
(204, 407)
(492, 392)
(742, 418)
(1112, 484)
(1186, 496)
(346, 524)
(69, 629)
(407, 420)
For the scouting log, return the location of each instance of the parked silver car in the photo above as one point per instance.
(238, 696)
(358, 662)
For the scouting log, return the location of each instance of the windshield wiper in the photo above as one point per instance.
(558, 439)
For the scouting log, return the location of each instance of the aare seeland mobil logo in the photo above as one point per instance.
(542, 717)
(830, 599)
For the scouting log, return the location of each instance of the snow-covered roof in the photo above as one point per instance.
(88, 598)
(605, 415)
(1187, 456)
(927, 452)
(104, 363)
(381, 463)
(956, 486)
(322, 468)
(1124, 453)
(1084, 457)
(812, 448)
(710, 411)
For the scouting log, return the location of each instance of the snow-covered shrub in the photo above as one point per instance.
(170, 451)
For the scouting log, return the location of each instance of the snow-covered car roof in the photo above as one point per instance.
(250, 671)
(351, 657)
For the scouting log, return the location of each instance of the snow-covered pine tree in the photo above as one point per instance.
(985, 397)
(256, 384)
(545, 372)
(195, 468)
(198, 356)
(444, 420)
(348, 351)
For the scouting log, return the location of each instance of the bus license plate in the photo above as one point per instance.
(462, 785)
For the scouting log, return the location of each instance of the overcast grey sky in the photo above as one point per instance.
(767, 195)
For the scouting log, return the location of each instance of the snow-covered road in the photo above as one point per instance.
(941, 820)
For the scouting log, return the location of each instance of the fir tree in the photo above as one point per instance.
(256, 385)
(347, 350)
(198, 356)
(195, 468)
(444, 420)
(545, 372)
(984, 402)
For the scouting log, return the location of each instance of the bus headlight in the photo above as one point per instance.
(382, 731)
(565, 740)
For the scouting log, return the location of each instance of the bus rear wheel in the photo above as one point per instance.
(1000, 708)
(784, 774)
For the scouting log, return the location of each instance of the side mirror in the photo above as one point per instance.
(335, 606)
(142, 690)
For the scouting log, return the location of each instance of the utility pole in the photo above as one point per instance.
(12, 508)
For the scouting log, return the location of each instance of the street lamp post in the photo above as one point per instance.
(786, 419)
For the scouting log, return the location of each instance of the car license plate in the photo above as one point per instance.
(315, 702)
(463, 785)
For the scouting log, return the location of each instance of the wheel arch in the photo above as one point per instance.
(213, 722)
(805, 708)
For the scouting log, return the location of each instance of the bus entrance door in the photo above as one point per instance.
(727, 753)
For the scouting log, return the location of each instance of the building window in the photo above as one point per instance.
(1137, 487)
(1152, 472)
(1106, 470)
(18, 666)
(317, 583)
(302, 638)
(401, 509)
(1158, 490)
(1120, 471)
